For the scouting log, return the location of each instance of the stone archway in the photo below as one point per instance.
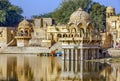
(81, 30)
(88, 32)
(109, 40)
(73, 30)
(59, 36)
(64, 35)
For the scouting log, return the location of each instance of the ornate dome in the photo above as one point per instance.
(109, 9)
(79, 16)
(24, 24)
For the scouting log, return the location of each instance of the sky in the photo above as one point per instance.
(36, 7)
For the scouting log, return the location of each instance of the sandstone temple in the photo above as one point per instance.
(76, 39)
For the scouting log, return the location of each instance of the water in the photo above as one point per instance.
(36, 68)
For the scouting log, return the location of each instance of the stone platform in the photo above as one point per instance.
(23, 50)
(114, 52)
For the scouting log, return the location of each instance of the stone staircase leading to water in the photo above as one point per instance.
(11, 42)
(57, 45)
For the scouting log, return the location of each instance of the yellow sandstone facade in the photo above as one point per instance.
(78, 31)
(111, 38)
(7, 35)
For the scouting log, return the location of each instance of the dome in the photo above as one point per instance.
(79, 16)
(24, 23)
(109, 9)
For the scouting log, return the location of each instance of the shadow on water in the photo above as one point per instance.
(35, 68)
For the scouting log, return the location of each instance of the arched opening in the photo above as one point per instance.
(70, 24)
(73, 30)
(71, 35)
(80, 29)
(81, 32)
(51, 36)
(64, 35)
(59, 35)
(89, 29)
(76, 35)
(110, 37)
(109, 41)
(87, 32)
(26, 32)
(21, 33)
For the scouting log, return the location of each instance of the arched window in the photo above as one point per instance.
(21, 33)
(59, 35)
(26, 33)
(81, 32)
(73, 30)
(76, 35)
(87, 33)
(64, 35)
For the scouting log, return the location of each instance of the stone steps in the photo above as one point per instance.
(57, 45)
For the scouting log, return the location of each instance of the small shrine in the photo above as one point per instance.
(24, 33)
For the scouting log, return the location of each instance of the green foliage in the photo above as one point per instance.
(10, 14)
(62, 14)
(96, 11)
(98, 15)
(43, 15)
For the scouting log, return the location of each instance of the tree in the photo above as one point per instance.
(42, 15)
(67, 7)
(10, 14)
(98, 15)
(62, 14)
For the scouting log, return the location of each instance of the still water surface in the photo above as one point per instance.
(36, 68)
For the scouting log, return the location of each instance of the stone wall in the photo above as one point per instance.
(24, 50)
(114, 52)
(6, 35)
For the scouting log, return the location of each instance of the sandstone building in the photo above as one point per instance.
(75, 38)
(111, 37)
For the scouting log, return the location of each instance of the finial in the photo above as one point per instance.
(80, 9)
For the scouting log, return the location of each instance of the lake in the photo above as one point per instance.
(21, 67)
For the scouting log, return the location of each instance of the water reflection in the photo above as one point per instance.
(35, 68)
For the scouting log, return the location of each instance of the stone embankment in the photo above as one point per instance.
(114, 52)
(24, 50)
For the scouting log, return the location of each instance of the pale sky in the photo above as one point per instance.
(36, 7)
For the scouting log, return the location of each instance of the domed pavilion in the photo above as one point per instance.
(24, 33)
(80, 41)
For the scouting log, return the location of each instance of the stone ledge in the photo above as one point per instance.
(34, 50)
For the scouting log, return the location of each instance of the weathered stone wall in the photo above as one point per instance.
(6, 35)
(114, 52)
(12, 50)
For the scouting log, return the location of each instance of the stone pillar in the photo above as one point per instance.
(67, 54)
(81, 54)
(63, 65)
(71, 54)
(81, 51)
(63, 56)
(67, 65)
(68, 59)
(71, 60)
(86, 54)
(93, 53)
(76, 55)
(97, 53)
(81, 70)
